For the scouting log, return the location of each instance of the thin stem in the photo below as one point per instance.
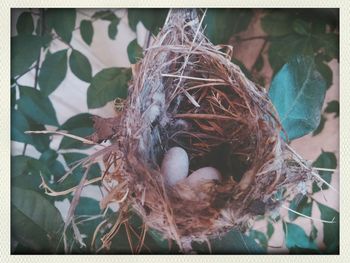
(25, 72)
(252, 38)
(309, 217)
(24, 149)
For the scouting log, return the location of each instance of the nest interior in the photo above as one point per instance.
(186, 92)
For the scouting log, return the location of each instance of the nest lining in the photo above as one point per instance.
(186, 92)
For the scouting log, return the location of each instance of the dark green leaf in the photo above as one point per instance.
(301, 27)
(86, 31)
(333, 107)
(41, 142)
(80, 66)
(35, 219)
(87, 209)
(25, 24)
(300, 204)
(35, 105)
(330, 42)
(80, 125)
(277, 23)
(283, 49)
(221, 24)
(62, 20)
(259, 236)
(107, 85)
(152, 18)
(53, 71)
(326, 72)
(107, 15)
(13, 97)
(297, 92)
(134, 51)
(314, 232)
(295, 237)
(112, 29)
(25, 50)
(320, 127)
(19, 125)
(270, 230)
(330, 230)
(71, 158)
(48, 157)
(234, 242)
(325, 160)
(26, 171)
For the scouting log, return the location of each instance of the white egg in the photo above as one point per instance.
(174, 165)
(203, 175)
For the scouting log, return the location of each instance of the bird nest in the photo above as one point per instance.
(186, 92)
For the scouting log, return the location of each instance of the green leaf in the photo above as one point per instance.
(135, 52)
(330, 42)
(270, 230)
(296, 238)
(301, 27)
(277, 23)
(221, 24)
(25, 172)
(330, 231)
(13, 97)
(325, 160)
(86, 31)
(297, 91)
(112, 29)
(325, 71)
(234, 242)
(80, 66)
(259, 236)
(19, 125)
(314, 232)
(25, 24)
(320, 127)
(53, 71)
(48, 156)
(152, 18)
(283, 49)
(333, 107)
(35, 221)
(41, 142)
(300, 204)
(71, 158)
(80, 125)
(107, 15)
(25, 50)
(62, 20)
(107, 85)
(35, 105)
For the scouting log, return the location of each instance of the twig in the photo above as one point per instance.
(193, 78)
(324, 169)
(49, 191)
(252, 38)
(25, 72)
(309, 217)
(64, 134)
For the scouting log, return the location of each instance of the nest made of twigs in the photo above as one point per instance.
(186, 92)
